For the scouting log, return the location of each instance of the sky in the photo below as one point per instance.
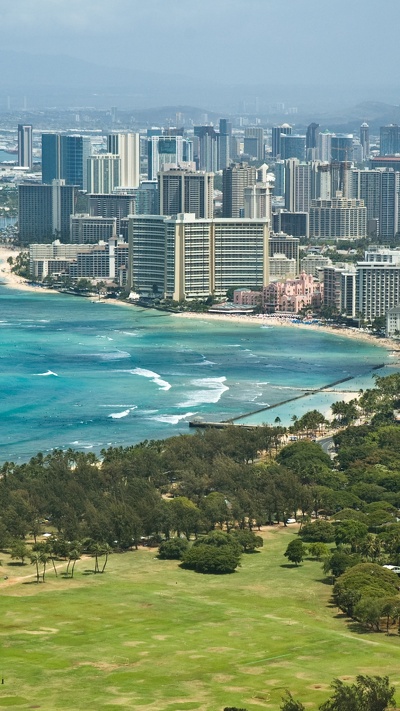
(230, 41)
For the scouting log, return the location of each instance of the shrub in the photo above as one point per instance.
(205, 558)
(174, 549)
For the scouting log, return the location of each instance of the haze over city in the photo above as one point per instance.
(214, 54)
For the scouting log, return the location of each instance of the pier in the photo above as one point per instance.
(329, 388)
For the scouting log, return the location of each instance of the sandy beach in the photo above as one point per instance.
(13, 281)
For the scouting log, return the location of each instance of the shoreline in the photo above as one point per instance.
(13, 281)
(276, 321)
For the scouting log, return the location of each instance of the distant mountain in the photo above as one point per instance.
(62, 80)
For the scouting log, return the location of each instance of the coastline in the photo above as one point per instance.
(13, 281)
(273, 321)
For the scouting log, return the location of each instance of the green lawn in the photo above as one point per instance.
(148, 635)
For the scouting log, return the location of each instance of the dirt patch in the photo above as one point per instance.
(255, 671)
(132, 643)
(221, 678)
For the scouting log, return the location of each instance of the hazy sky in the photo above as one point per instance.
(265, 41)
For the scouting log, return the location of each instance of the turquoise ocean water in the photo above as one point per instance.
(83, 374)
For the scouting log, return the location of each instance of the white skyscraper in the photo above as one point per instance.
(127, 147)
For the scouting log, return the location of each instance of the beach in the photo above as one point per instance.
(13, 281)
(275, 320)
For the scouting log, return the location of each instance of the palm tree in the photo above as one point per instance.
(35, 559)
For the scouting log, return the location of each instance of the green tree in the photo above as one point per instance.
(369, 693)
(19, 550)
(248, 540)
(317, 531)
(318, 550)
(290, 704)
(295, 551)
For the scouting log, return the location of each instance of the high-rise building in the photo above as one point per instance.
(65, 157)
(389, 140)
(364, 141)
(377, 288)
(340, 288)
(234, 180)
(206, 151)
(184, 191)
(167, 151)
(281, 243)
(25, 154)
(254, 142)
(324, 146)
(85, 229)
(186, 258)
(115, 205)
(366, 185)
(312, 136)
(295, 224)
(293, 146)
(338, 218)
(224, 143)
(257, 201)
(279, 172)
(127, 147)
(299, 185)
(389, 209)
(44, 211)
(103, 173)
(277, 133)
(342, 147)
(146, 198)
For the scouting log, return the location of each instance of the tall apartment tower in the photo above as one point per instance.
(103, 173)
(44, 211)
(338, 218)
(300, 182)
(115, 205)
(254, 142)
(342, 147)
(224, 143)
(366, 185)
(364, 140)
(234, 180)
(293, 146)
(65, 157)
(312, 136)
(25, 155)
(186, 258)
(182, 191)
(324, 146)
(127, 147)
(257, 201)
(389, 140)
(167, 151)
(389, 212)
(277, 132)
(206, 155)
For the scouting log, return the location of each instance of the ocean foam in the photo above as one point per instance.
(154, 377)
(118, 415)
(48, 372)
(171, 419)
(211, 391)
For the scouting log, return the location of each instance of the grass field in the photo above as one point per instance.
(148, 635)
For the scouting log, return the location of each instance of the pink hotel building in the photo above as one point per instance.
(289, 296)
